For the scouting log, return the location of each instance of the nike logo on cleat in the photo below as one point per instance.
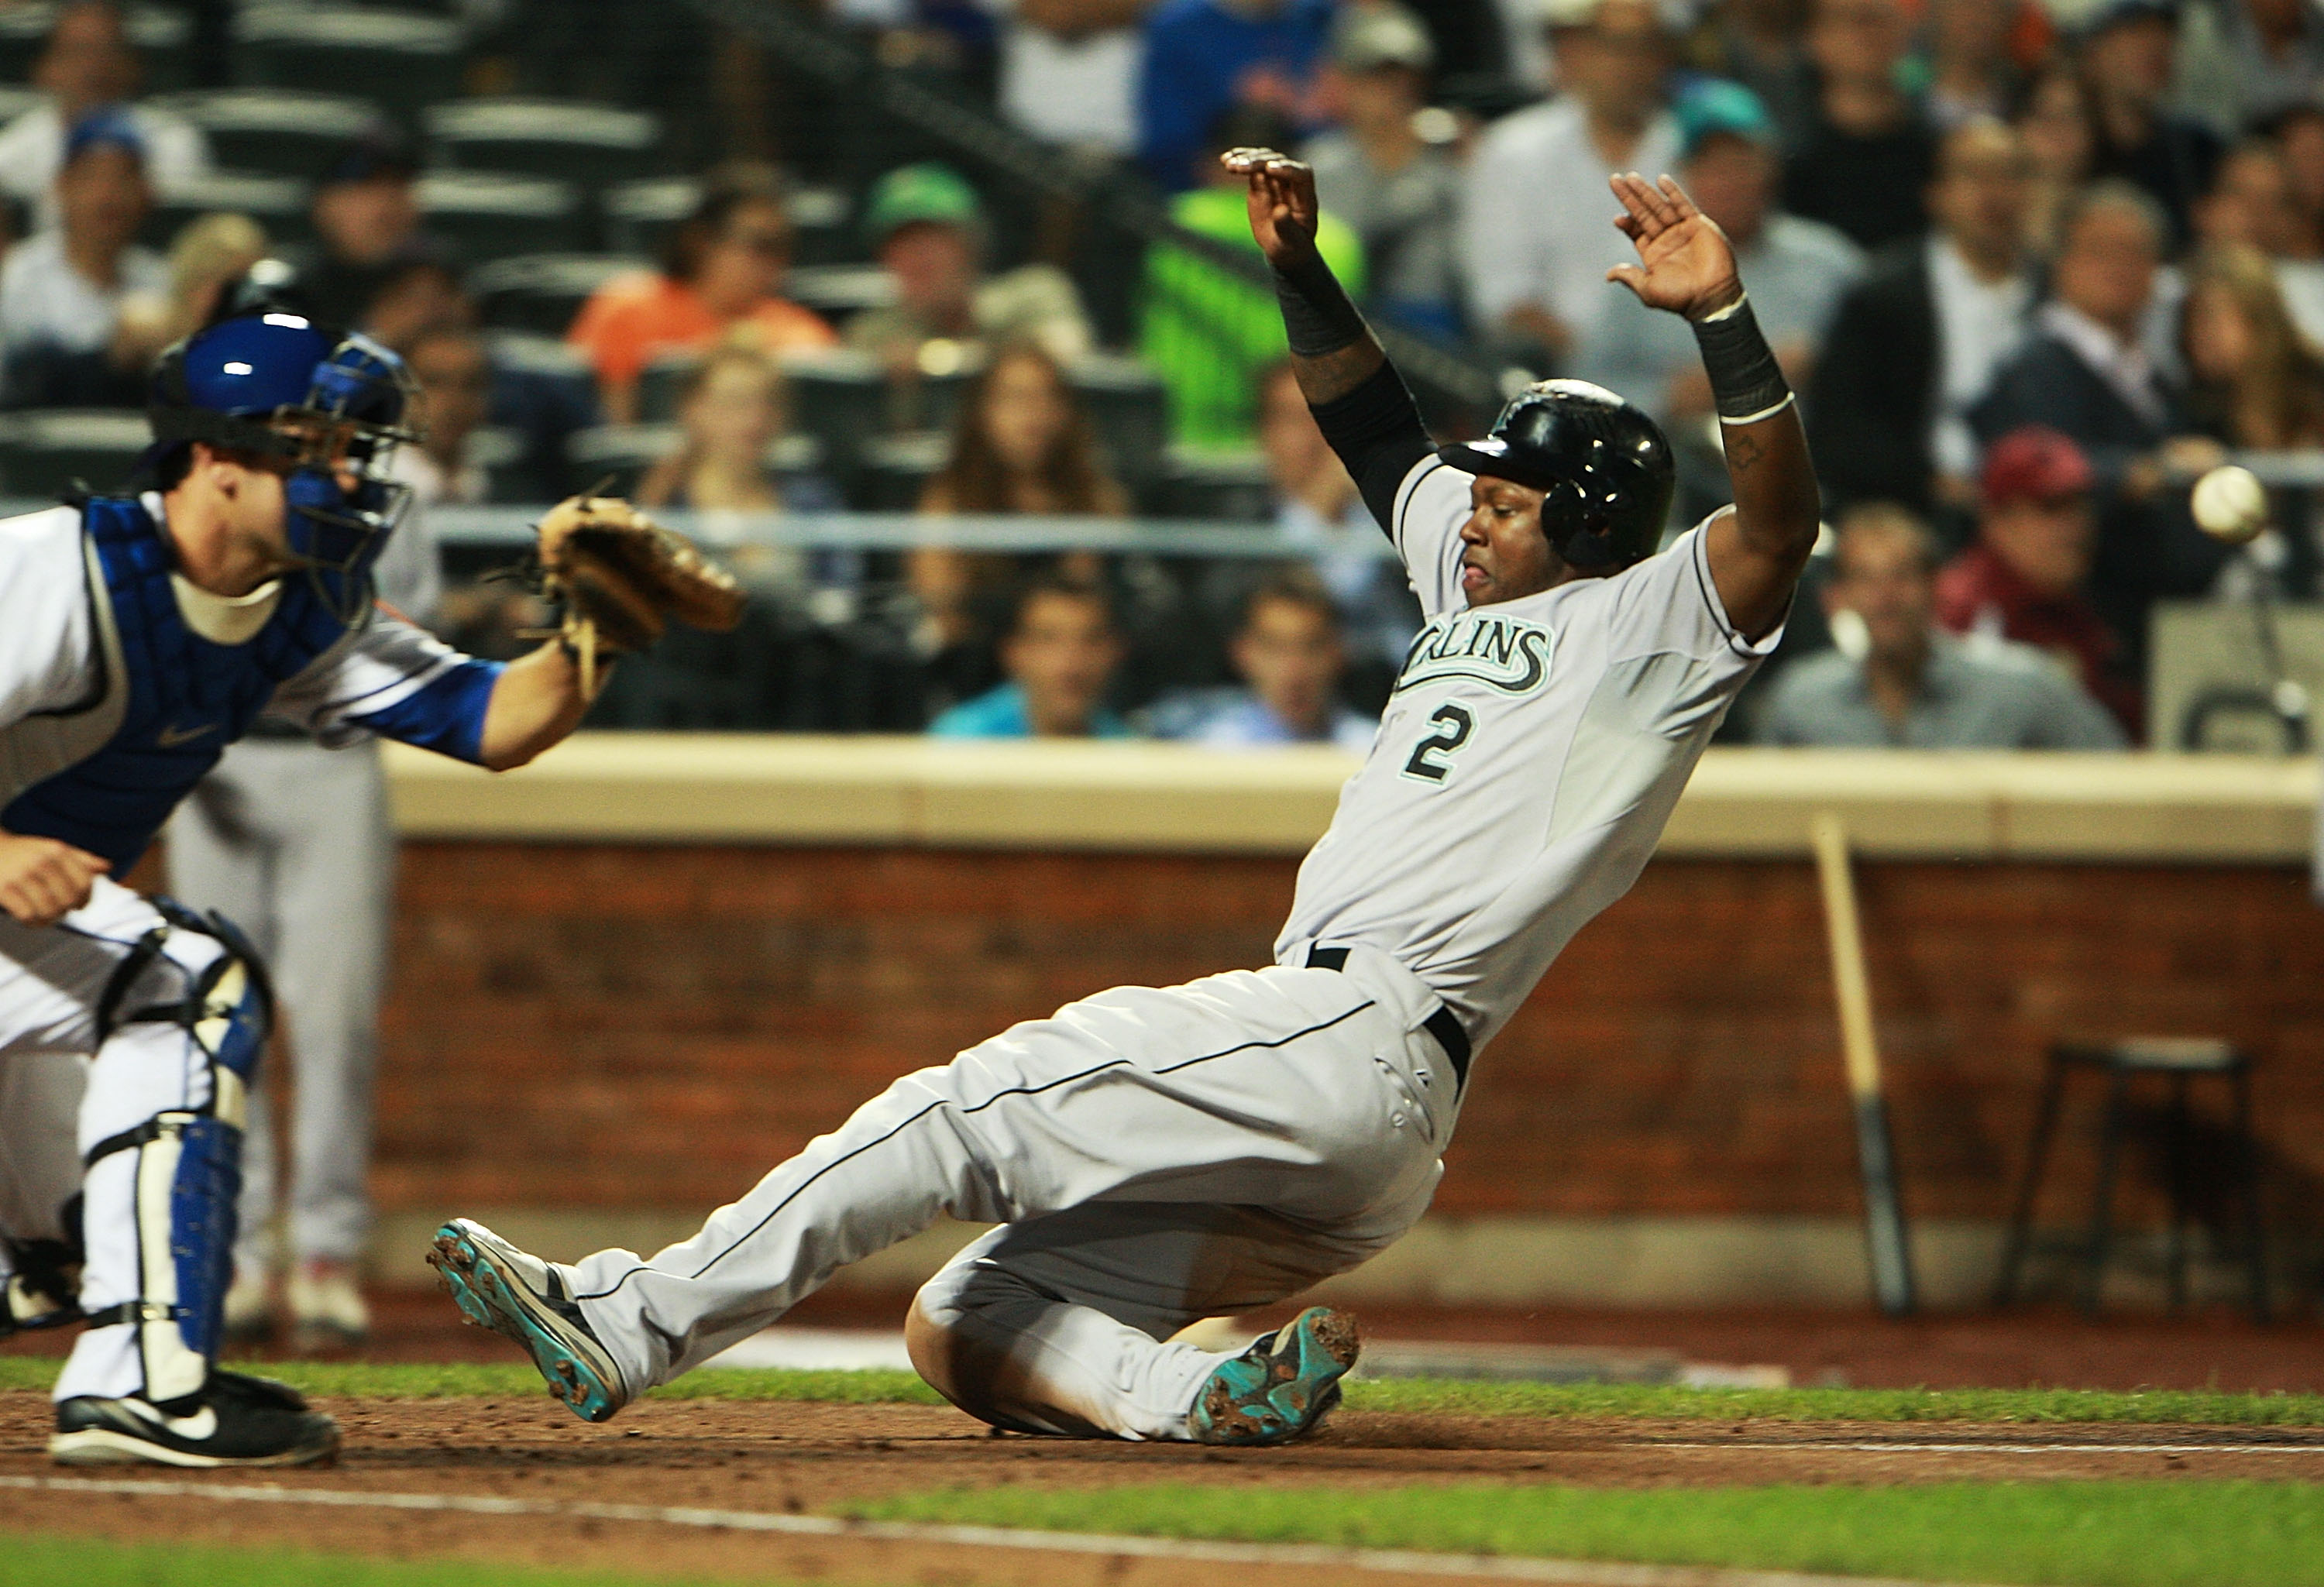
(202, 1423)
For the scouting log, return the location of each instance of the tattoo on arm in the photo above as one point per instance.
(1744, 450)
(1334, 375)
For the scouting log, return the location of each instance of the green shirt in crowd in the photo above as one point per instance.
(1208, 334)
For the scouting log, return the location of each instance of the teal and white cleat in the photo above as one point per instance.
(1282, 1386)
(520, 1297)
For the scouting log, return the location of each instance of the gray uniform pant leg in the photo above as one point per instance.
(1291, 1091)
(292, 841)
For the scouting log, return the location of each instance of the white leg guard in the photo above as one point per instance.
(181, 1024)
(1062, 1326)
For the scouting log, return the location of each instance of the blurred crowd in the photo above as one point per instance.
(2031, 268)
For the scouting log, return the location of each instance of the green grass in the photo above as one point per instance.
(1414, 1395)
(2065, 1534)
(47, 1560)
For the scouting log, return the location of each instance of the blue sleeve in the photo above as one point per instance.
(446, 715)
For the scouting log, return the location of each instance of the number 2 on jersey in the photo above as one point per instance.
(1454, 726)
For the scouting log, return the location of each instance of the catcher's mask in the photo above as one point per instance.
(326, 408)
(1604, 465)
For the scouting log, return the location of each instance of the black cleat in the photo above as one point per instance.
(235, 1421)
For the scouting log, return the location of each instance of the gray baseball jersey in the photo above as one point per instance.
(1525, 763)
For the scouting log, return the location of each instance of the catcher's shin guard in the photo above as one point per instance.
(189, 1161)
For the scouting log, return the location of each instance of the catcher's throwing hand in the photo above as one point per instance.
(1686, 264)
(43, 881)
(1282, 201)
(620, 577)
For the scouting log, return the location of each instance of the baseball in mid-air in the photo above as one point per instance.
(2230, 505)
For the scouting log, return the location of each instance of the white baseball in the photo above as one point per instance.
(2230, 504)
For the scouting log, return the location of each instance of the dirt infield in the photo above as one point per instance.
(778, 1460)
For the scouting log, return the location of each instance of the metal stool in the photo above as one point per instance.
(2183, 1060)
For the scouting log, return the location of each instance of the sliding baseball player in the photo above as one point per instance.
(1157, 1155)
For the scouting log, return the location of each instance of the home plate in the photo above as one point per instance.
(819, 1349)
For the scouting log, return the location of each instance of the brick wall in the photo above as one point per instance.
(597, 1026)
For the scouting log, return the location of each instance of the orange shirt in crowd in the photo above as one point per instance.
(633, 320)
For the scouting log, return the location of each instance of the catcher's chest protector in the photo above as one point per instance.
(186, 699)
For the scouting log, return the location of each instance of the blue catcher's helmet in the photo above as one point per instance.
(325, 407)
(1604, 465)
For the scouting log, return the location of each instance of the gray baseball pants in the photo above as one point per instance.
(291, 841)
(1155, 1156)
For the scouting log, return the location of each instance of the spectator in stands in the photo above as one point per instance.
(2298, 134)
(1290, 653)
(2023, 579)
(2250, 207)
(366, 216)
(2256, 382)
(2242, 61)
(928, 230)
(1058, 655)
(1897, 680)
(1206, 57)
(1762, 44)
(719, 274)
(2126, 57)
(733, 407)
(416, 294)
(87, 65)
(1798, 269)
(455, 376)
(1401, 193)
(61, 291)
(1208, 334)
(1069, 70)
(1971, 77)
(1537, 265)
(2083, 371)
(1317, 509)
(1915, 343)
(2059, 145)
(1020, 445)
(1869, 153)
(206, 257)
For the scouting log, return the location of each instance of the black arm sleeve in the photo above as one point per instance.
(1377, 431)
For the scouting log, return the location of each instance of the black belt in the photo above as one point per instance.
(1440, 1024)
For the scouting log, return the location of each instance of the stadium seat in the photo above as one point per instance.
(1232, 487)
(531, 352)
(572, 141)
(284, 130)
(659, 384)
(838, 291)
(43, 451)
(897, 469)
(277, 203)
(621, 453)
(541, 292)
(403, 59)
(1130, 413)
(15, 99)
(839, 396)
(489, 215)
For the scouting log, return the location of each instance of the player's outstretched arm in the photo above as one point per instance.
(1686, 266)
(1359, 401)
(536, 701)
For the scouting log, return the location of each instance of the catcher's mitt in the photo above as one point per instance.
(619, 576)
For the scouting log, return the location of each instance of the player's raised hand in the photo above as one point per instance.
(1282, 201)
(1685, 264)
(43, 881)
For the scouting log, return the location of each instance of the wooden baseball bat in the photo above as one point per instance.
(1884, 1216)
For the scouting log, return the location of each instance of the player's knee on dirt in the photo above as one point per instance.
(968, 1358)
(198, 974)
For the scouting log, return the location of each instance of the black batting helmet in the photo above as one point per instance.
(1605, 465)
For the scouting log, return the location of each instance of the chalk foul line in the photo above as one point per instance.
(1393, 1561)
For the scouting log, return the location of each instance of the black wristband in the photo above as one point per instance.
(1317, 317)
(1747, 384)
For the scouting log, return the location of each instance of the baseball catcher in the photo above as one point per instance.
(1157, 1155)
(140, 635)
